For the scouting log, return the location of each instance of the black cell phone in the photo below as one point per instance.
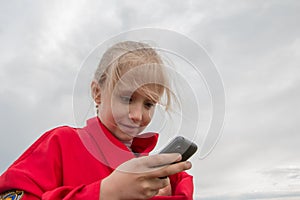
(181, 145)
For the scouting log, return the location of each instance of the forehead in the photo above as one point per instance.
(152, 92)
(150, 73)
(131, 87)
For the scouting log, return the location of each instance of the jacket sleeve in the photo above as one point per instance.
(90, 191)
(182, 187)
(38, 174)
(182, 184)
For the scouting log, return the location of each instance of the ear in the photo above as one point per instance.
(96, 92)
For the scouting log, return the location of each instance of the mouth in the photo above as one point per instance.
(131, 130)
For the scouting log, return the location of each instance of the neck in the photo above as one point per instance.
(127, 144)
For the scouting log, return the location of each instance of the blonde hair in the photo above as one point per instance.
(142, 62)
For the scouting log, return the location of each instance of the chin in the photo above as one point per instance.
(129, 137)
(125, 137)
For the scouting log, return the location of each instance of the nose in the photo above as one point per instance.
(136, 112)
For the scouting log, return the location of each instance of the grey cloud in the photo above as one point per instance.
(284, 174)
(275, 195)
(255, 44)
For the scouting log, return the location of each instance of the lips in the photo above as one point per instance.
(131, 130)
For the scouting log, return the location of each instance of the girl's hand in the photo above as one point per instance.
(139, 178)
(166, 191)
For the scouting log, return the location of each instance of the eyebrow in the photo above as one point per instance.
(125, 91)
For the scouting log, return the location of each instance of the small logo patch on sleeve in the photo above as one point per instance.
(12, 195)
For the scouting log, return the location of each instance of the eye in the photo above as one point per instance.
(125, 99)
(149, 105)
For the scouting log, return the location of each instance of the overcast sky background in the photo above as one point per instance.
(255, 44)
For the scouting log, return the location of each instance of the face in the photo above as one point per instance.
(125, 113)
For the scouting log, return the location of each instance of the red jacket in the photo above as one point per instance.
(69, 163)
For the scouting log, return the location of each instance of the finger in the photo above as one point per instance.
(151, 193)
(171, 169)
(161, 183)
(159, 160)
(157, 184)
(152, 186)
(149, 163)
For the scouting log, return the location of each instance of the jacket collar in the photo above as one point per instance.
(101, 143)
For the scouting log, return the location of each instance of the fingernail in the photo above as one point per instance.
(188, 164)
(179, 158)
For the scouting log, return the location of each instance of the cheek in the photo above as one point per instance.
(119, 110)
(105, 111)
(148, 116)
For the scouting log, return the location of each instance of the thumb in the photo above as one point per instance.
(159, 160)
(149, 163)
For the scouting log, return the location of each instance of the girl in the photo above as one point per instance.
(107, 159)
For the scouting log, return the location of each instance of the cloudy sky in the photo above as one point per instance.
(255, 45)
